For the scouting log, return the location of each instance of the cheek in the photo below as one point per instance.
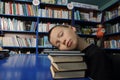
(63, 48)
(74, 44)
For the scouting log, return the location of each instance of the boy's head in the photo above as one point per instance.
(63, 37)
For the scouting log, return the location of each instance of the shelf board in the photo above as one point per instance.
(85, 35)
(34, 18)
(112, 49)
(57, 20)
(113, 20)
(46, 33)
(23, 1)
(52, 5)
(43, 47)
(112, 34)
(18, 1)
(17, 47)
(86, 22)
(26, 32)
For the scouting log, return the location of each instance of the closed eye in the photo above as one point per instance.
(60, 34)
(58, 44)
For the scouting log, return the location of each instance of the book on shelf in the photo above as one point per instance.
(65, 65)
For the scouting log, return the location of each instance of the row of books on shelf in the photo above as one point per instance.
(59, 2)
(67, 65)
(12, 24)
(112, 44)
(114, 28)
(78, 15)
(17, 25)
(65, 2)
(54, 13)
(45, 27)
(112, 14)
(22, 41)
(27, 9)
(18, 41)
(87, 30)
(11, 8)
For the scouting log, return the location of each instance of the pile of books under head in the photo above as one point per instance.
(65, 65)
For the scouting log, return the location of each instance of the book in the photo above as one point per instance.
(66, 74)
(65, 57)
(69, 66)
(63, 52)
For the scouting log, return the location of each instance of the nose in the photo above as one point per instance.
(63, 41)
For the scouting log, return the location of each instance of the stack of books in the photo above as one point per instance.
(67, 65)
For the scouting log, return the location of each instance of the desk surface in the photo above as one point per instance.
(27, 67)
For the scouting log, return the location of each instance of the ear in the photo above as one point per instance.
(73, 28)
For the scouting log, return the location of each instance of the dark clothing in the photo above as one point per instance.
(101, 65)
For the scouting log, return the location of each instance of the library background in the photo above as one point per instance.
(24, 27)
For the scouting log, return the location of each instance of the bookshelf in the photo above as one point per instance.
(111, 22)
(86, 21)
(48, 14)
(42, 18)
(18, 25)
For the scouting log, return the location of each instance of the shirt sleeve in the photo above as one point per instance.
(97, 63)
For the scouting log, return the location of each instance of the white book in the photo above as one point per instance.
(40, 26)
(5, 24)
(99, 17)
(55, 13)
(15, 41)
(21, 9)
(39, 12)
(43, 13)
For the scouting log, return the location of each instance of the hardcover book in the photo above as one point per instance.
(66, 74)
(69, 66)
(65, 58)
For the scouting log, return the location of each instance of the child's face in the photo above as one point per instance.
(64, 38)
